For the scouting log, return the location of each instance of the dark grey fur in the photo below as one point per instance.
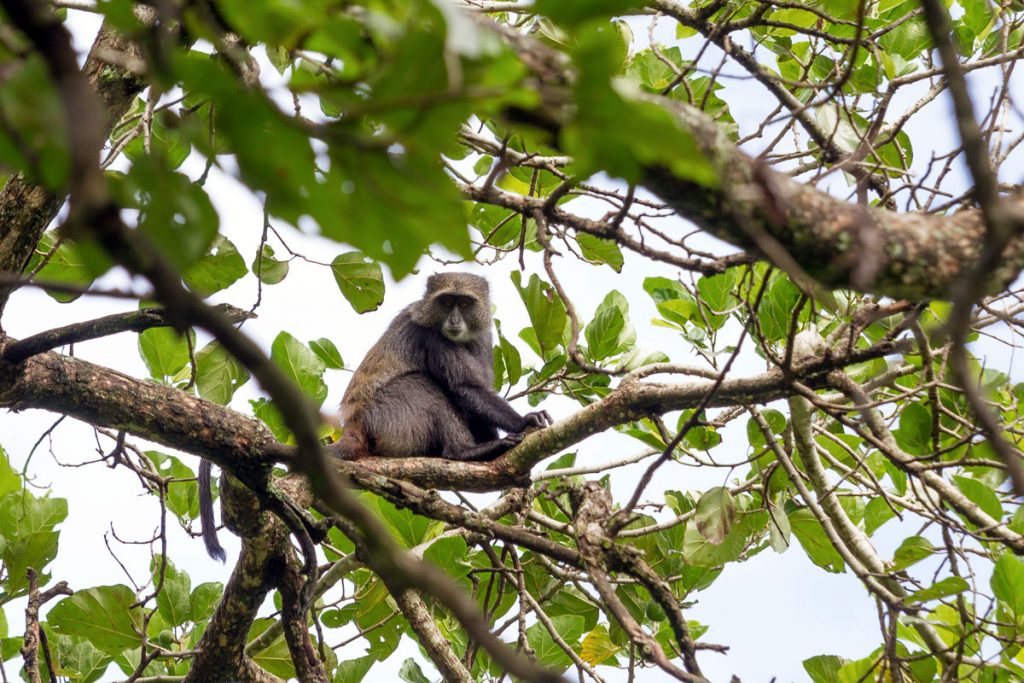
(426, 387)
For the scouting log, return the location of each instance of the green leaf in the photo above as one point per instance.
(574, 12)
(602, 333)
(911, 551)
(204, 600)
(79, 660)
(353, 670)
(777, 308)
(408, 528)
(28, 536)
(164, 351)
(548, 652)
(941, 589)
(775, 419)
(275, 658)
(174, 599)
(982, 495)
(1008, 582)
(64, 265)
(614, 133)
(546, 311)
(914, 434)
(779, 530)
(360, 280)
(662, 289)
(268, 269)
(716, 512)
(219, 268)
(450, 554)
(275, 23)
(174, 212)
(598, 648)
(301, 365)
(166, 142)
(328, 353)
(218, 374)
(266, 411)
(814, 541)
(104, 616)
(182, 495)
(9, 479)
(407, 197)
(411, 672)
(876, 513)
(600, 250)
(512, 359)
(698, 550)
(824, 668)
(636, 357)
(716, 292)
(34, 137)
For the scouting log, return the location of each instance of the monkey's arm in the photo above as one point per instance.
(459, 374)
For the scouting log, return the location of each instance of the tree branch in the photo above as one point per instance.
(132, 321)
(917, 256)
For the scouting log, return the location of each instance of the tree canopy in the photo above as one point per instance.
(818, 202)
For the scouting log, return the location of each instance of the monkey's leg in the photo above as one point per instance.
(489, 450)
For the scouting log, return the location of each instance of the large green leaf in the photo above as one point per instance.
(174, 599)
(33, 137)
(164, 351)
(546, 310)
(301, 365)
(28, 536)
(1008, 582)
(174, 212)
(360, 280)
(268, 269)
(547, 651)
(64, 264)
(814, 541)
(716, 512)
(217, 269)
(218, 374)
(105, 616)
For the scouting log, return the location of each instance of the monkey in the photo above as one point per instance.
(426, 386)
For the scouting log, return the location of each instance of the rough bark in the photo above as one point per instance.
(244, 447)
(261, 566)
(910, 255)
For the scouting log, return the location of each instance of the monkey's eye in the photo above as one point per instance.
(445, 301)
(465, 302)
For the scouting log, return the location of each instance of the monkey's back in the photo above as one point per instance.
(393, 356)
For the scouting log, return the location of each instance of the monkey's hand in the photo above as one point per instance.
(536, 420)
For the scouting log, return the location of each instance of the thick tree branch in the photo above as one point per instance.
(243, 446)
(221, 657)
(915, 255)
(592, 507)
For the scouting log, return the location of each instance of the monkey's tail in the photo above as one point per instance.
(213, 547)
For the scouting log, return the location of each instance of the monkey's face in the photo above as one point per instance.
(458, 316)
